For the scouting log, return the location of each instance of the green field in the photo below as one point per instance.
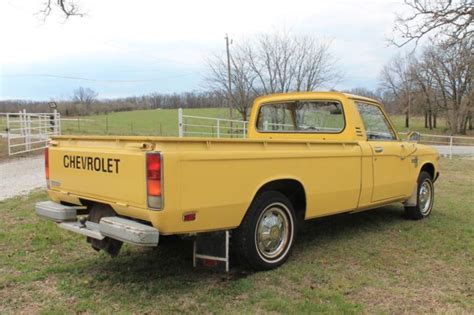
(370, 262)
(138, 122)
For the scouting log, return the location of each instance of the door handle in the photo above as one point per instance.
(378, 149)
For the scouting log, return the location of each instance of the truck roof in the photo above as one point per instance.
(328, 94)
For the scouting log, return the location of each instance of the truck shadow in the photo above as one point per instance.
(170, 265)
(347, 225)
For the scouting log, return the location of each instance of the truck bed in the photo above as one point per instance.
(205, 175)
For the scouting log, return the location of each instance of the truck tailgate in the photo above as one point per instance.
(102, 170)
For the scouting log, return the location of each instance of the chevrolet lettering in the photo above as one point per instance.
(88, 163)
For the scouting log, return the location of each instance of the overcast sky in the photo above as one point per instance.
(126, 48)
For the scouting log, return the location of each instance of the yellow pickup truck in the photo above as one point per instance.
(306, 155)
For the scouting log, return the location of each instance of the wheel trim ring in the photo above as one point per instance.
(283, 249)
(425, 197)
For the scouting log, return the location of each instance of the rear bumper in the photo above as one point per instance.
(118, 228)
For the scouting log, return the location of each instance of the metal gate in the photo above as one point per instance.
(26, 132)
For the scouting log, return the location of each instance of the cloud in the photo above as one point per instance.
(139, 39)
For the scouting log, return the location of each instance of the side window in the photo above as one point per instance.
(376, 125)
(302, 116)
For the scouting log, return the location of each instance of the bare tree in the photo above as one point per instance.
(437, 81)
(273, 63)
(242, 79)
(85, 96)
(425, 86)
(283, 62)
(396, 78)
(155, 100)
(452, 19)
(451, 68)
(67, 7)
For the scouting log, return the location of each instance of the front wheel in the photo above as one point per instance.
(424, 200)
(265, 238)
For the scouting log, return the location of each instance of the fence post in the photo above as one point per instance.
(57, 122)
(28, 132)
(23, 122)
(218, 128)
(245, 129)
(450, 147)
(180, 123)
(8, 134)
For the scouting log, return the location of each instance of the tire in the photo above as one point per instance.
(424, 199)
(109, 245)
(266, 235)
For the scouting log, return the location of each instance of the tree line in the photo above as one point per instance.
(85, 101)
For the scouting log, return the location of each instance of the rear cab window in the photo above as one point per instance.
(301, 117)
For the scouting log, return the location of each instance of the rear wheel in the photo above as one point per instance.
(109, 245)
(424, 200)
(265, 238)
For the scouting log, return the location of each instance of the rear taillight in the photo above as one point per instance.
(153, 180)
(46, 164)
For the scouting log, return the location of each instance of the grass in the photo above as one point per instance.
(370, 262)
(144, 122)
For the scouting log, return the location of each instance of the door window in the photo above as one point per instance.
(376, 125)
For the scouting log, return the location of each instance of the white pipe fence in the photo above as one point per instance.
(449, 145)
(219, 127)
(210, 127)
(26, 132)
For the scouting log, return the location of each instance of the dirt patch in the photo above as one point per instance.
(29, 298)
(437, 293)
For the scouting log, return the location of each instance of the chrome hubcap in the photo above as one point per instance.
(425, 197)
(273, 231)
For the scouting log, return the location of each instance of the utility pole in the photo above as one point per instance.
(229, 82)
(407, 120)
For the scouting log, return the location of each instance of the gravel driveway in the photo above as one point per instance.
(20, 176)
(461, 150)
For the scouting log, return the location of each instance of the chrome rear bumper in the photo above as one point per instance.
(118, 228)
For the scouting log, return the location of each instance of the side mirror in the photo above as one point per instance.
(413, 136)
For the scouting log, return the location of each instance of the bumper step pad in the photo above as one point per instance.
(129, 231)
(55, 211)
(121, 229)
(87, 230)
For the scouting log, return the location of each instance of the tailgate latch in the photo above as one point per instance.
(145, 146)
